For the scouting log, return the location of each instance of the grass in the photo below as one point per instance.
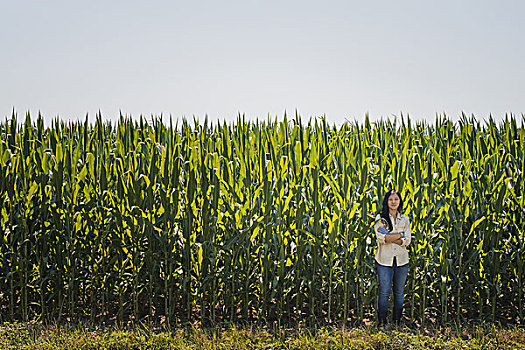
(38, 336)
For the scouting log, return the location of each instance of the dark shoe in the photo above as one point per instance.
(396, 317)
(382, 318)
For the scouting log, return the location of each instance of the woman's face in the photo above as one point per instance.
(393, 201)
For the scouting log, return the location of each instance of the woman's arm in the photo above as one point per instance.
(393, 238)
(408, 234)
(398, 241)
(380, 237)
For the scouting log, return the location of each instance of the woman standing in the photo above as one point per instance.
(393, 235)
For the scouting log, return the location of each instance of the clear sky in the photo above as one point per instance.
(338, 58)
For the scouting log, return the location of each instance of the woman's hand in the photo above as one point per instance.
(400, 240)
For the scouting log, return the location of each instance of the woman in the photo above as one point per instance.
(393, 235)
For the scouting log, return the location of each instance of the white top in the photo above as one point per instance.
(386, 251)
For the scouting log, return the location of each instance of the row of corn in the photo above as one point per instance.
(192, 221)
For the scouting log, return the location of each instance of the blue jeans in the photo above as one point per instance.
(387, 274)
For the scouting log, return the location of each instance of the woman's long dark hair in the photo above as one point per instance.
(385, 212)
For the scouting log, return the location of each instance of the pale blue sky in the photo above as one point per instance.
(338, 58)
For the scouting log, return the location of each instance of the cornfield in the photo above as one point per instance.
(257, 220)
